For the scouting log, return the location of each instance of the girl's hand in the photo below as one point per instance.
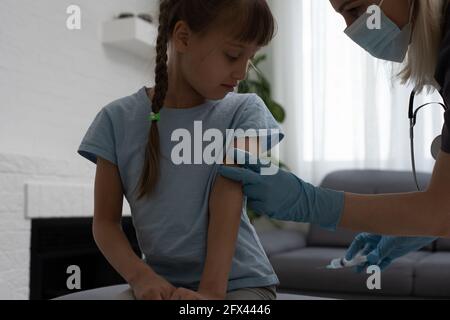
(210, 295)
(186, 294)
(150, 286)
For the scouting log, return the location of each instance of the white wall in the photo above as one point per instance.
(53, 80)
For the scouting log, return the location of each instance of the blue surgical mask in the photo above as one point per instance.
(386, 43)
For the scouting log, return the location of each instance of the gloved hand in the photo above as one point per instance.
(382, 250)
(283, 196)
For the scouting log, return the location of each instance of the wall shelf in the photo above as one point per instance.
(134, 35)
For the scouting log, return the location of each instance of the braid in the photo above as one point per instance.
(161, 76)
(150, 172)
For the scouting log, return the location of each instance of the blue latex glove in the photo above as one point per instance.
(283, 196)
(382, 250)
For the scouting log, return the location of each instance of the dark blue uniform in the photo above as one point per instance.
(443, 78)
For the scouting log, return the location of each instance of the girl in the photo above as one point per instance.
(191, 226)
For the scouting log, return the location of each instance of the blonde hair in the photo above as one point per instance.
(420, 66)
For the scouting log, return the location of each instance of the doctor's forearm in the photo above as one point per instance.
(399, 214)
(411, 214)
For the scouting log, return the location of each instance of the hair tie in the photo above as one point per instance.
(154, 117)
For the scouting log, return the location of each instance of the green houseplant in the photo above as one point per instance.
(256, 82)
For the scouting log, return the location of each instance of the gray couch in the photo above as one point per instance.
(299, 259)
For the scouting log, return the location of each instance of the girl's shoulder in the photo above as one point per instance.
(243, 101)
(110, 127)
(241, 97)
(128, 107)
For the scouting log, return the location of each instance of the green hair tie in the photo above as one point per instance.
(154, 117)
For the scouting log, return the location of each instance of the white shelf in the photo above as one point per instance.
(133, 34)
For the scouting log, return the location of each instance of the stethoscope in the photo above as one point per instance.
(435, 146)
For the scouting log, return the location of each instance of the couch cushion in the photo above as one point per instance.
(432, 276)
(374, 181)
(318, 237)
(279, 241)
(443, 245)
(303, 270)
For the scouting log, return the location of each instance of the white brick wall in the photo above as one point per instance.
(52, 84)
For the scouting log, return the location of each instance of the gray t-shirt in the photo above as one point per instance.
(172, 224)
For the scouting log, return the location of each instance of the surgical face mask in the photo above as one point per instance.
(387, 42)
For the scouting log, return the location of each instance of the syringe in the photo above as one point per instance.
(341, 263)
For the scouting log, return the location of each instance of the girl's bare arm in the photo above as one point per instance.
(225, 209)
(112, 241)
